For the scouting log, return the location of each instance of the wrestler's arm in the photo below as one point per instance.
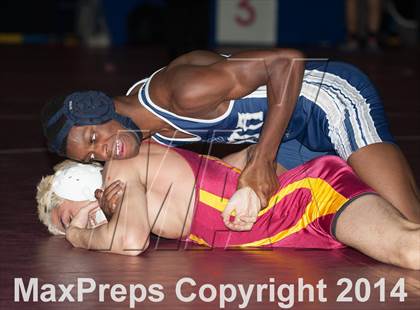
(128, 230)
(238, 159)
(241, 158)
(197, 90)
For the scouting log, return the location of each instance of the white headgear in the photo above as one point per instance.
(77, 183)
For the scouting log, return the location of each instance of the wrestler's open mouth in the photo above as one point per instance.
(119, 148)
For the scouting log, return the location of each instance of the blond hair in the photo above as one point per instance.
(47, 200)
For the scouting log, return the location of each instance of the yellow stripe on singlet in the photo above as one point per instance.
(325, 200)
(198, 240)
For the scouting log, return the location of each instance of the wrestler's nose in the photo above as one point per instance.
(105, 151)
(101, 152)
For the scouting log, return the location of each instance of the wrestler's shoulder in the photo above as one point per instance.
(124, 169)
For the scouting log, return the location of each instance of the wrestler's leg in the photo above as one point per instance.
(374, 227)
(383, 167)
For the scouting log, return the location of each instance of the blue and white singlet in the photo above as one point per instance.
(338, 112)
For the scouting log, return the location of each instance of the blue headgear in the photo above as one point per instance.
(81, 109)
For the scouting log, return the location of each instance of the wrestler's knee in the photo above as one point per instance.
(407, 250)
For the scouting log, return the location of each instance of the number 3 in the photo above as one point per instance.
(246, 6)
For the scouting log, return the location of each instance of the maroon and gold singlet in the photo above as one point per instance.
(301, 214)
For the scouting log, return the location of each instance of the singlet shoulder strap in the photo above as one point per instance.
(135, 85)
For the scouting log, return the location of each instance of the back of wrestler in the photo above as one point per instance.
(167, 181)
(185, 194)
(160, 180)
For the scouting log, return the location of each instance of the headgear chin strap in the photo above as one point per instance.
(77, 183)
(87, 108)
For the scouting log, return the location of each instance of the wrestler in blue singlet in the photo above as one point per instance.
(338, 112)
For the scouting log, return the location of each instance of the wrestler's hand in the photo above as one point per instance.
(81, 220)
(260, 175)
(246, 205)
(110, 197)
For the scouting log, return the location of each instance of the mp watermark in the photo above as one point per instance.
(188, 290)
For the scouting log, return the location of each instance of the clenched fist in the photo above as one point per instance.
(246, 205)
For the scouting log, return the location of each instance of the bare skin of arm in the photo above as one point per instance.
(241, 158)
(203, 90)
(128, 230)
